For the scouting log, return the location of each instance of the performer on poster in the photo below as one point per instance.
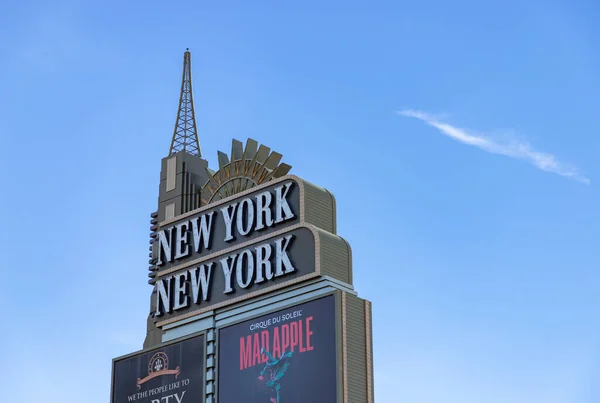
(291, 360)
(276, 371)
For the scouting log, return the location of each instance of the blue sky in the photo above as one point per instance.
(460, 139)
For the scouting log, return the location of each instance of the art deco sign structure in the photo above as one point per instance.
(252, 297)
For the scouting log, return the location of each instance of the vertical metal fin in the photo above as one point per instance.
(250, 150)
(223, 159)
(273, 160)
(262, 154)
(281, 170)
(237, 151)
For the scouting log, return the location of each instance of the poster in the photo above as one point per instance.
(173, 373)
(288, 356)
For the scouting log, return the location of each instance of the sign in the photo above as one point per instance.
(288, 356)
(171, 374)
(210, 230)
(224, 245)
(237, 248)
(290, 255)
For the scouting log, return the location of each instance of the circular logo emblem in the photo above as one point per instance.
(158, 362)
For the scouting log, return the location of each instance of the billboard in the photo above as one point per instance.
(288, 356)
(173, 373)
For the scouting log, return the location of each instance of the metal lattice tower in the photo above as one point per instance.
(185, 135)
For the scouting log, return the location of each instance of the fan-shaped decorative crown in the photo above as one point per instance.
(247, 167)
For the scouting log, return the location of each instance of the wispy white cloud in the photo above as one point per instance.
(508, 146)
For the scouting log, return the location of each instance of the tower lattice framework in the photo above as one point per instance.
(185, 135)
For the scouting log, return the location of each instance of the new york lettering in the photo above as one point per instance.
(239, 219)
(258, 264)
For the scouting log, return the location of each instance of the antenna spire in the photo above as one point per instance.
(185, 135)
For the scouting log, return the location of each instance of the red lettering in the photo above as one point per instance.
(276, 344)
(245, 352)
(308, 334)
(265, 343)
(256, 359)
(302, 348)
(293, 335)
(285, 337)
